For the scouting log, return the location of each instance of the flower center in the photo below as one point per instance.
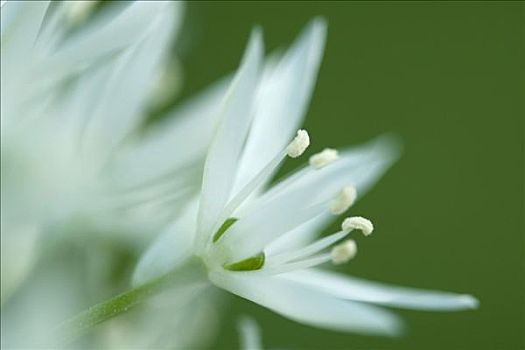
(221, 250)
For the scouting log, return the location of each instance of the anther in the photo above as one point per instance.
(321, 159)
(358, 223)
(343, 200)
(299, 144)
(78, 11)
(343, 252)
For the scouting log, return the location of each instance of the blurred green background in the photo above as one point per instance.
(449, 79)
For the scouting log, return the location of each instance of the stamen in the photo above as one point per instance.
(358, 223)
(294, 149)
(299, 144)
(298, 265)
(252, 186)
(343, 200)
(78, 11)
(343, 252)
(310, 249)
(322, 159)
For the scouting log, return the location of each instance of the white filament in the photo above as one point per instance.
(298, 265)
(309, 250)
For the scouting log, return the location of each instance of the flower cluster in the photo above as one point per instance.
(76, 86)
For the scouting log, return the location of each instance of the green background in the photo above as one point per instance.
(449, 79)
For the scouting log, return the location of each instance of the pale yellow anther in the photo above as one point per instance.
(343, 200)
(299, 144)
(358, 223)
(323, 158)
(78, 11)
(343, 252)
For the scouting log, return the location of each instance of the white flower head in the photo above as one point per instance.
(70, 102)
(258, 241)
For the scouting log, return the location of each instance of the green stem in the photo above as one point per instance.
(81, 323)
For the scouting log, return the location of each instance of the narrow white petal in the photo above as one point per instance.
(129, 85)
(252, 233)
(305, 195)
(115, 31)
(356, 289)
(53, 30)
(306, 305)
(282, 100)
(249, 333)
(169, 249)
(227, 144)
(299, 237)
(21, 22)
(360, 166)
(179, 141)
(20, 25)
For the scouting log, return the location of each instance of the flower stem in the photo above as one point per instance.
(82, 322)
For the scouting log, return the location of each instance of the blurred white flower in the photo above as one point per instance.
(258, 241)
(72, 100)
(74, 94)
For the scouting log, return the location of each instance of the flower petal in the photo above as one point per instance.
(128, 86)
(171, 248)
(227, 144)
(282, 100)
(299, 237)
(304, 196)
(351, 288)
(306, 305)
(115, 31)
(179, 140)
(360, 166)
(21, 22)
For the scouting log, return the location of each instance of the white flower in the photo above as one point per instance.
(73, 94)
(71, 101)
(258, 242)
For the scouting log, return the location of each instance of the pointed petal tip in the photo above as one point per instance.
(257, 37)
(318, 24)
(392, 143)
(390, 325)
(387, 148)
(314, 33)
(470, 301)
(254, 51)
(396, 330)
